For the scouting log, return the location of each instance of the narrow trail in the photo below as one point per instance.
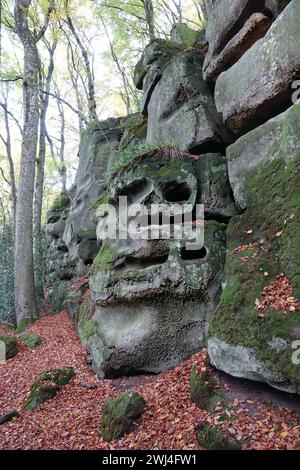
(262, 420)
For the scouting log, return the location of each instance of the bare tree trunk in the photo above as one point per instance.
(39, 183)
(149, 10)
(25, 300)
(90, 77)
(121, 69)
(62, 166)
(12, 182)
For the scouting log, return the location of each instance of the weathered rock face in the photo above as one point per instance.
(230, 33)
(154, 302)
(254, 28)
(263, 242)
(152, 298)
(265, 75)
(60, 266)
(181, 111)
(97, 150)
(233, 27)
(278, 137)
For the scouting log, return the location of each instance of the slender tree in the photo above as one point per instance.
(25, 299)
(7, 143)
(45, 83)
(92, 106)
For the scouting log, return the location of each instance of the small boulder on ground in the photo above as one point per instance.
(203, 389)
(214, 438)
(47, 385)
(10, 345)
(119, 414)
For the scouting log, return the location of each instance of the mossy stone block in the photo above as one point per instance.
(119, 414)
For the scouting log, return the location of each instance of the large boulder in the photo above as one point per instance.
(181, 110)
(151, 299)
(265, 75)
(254, 332)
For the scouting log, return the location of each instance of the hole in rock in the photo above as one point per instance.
(177, 192)
(193, 255)
(134, 264)
(134, 189)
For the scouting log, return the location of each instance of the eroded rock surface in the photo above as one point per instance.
(259, 85)
(181, 111)
(152, 298)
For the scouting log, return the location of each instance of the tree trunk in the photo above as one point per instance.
(39, 183)
(12, 181)
(149, 10)
(89, 72)
(25, 300)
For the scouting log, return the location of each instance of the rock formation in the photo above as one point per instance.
(221, 130)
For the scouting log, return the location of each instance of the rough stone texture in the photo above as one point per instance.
(98, 149)
(265, 171)
(255, 28)
(59, 264)
(216, 192)
(119, 414)
(181, 110)
(225, 21)
(265, 75)
(158, 52)
(151, 301)
(278, 137)
(242, 362)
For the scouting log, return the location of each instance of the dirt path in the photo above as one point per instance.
(260, 418)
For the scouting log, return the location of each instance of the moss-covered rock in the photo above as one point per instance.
(119, 414)
(10, 345)
(203, 389)
(262, 243)
(214, 438)
(47, 385)
(182, 33)
(30, 339)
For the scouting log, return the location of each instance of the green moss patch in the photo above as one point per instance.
(104, 259)
(22, 325)
(47, 385)
(30, 339)
(119, 413)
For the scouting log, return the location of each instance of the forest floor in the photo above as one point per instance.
(254, 414)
